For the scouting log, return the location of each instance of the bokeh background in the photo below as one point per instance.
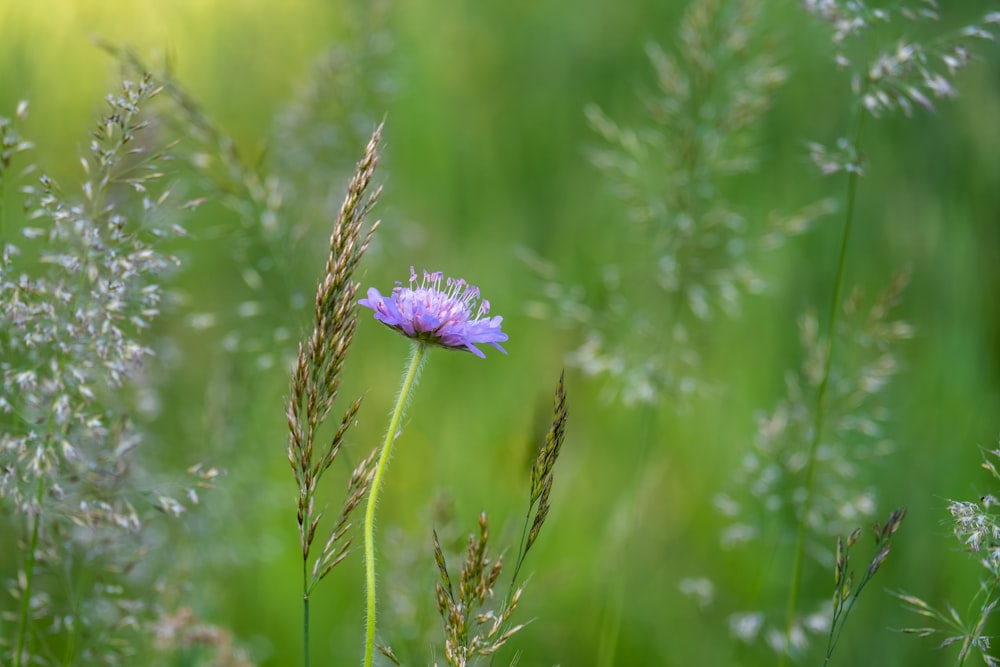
(485, 162)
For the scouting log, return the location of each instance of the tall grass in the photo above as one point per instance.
(802, 476)
(80, 294)
(164, 295)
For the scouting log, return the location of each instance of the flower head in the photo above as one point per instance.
(452, 317)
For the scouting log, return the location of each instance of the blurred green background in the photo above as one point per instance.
(486, 156)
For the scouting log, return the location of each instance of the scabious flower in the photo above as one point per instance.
(453, 317)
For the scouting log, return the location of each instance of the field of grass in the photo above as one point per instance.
(633, 191)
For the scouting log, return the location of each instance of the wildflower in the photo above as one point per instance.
(453, 317)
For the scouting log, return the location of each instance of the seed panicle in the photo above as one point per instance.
(692, 248)
(316, 377)
(845, 591)
(472, 630)
(78, 298)
(976, 527)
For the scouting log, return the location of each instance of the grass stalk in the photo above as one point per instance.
(29, 572)
(305, 612)
(798, 561)
(3, 208)
(417, 357)
(611, 624)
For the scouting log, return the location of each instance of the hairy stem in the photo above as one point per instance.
(819, 413)
(417, 356)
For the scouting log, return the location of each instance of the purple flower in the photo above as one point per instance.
(453, 317)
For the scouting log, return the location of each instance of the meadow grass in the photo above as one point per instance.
(773, 299)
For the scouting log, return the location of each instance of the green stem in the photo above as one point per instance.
(305, 612)
(417, 356)
(838, 624)
(72, 587)
(973, 634)
(3, 208)
(521, 554)
(29, 572)
(817, 428)
(611, 623)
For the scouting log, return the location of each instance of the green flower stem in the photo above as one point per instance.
(417, 356)
(817, 430)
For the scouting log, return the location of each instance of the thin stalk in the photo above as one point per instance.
(835, 634)
(520, 556)
(305, 613)
(3, 207)
(72, 586)
(819, 414)
(972, 635)
(611, 623)
(841, 621)
(417, 356)
(29, 572)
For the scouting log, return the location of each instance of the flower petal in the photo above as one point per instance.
(453, 316)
